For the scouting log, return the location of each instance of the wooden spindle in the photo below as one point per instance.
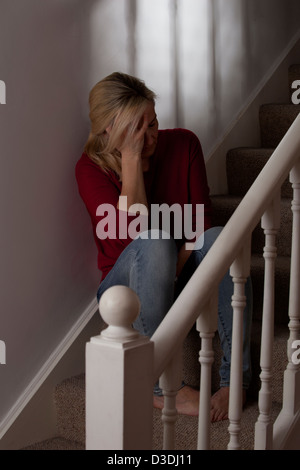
(264, 426)
(239, 271)
(292, 374)
(207, 325)
(170, 382)
(291, 383)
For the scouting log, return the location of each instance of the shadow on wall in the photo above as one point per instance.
(202, 58)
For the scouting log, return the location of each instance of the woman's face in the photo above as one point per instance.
(151, 134)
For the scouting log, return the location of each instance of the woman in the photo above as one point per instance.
(131, 166)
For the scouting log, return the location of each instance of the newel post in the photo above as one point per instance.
(119, 378)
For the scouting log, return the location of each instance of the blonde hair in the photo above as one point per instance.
(116, 102)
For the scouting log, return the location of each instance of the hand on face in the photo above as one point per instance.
(139, 139)
(134, 139)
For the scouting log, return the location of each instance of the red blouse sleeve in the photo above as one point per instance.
(100, 192)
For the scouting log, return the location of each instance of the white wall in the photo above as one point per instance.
(48, 271)
(51, 53)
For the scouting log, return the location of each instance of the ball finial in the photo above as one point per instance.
(119, 307)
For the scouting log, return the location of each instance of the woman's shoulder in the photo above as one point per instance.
(177, 131)
(85, 162)
(178, 139)
(87, 169)
(178, 134)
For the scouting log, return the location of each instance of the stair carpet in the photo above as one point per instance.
(243, 166)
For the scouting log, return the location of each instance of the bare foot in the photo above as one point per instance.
(158, 402)
(220, 404)
(187, 401)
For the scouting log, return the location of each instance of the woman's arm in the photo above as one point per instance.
(133, 186)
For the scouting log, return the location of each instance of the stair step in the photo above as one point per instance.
(187, 426)
(243, 167)
(275, 121)
(69, 397)
(224, 207)
(57, 443)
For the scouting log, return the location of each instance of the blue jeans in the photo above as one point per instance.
(148, 266)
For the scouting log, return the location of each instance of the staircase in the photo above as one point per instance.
(243, 165)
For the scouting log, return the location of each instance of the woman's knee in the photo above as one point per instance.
(159, 248)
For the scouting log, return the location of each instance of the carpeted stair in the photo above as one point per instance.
(243, 165)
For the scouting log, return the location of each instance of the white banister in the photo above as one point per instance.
(122, 367)
(294, 302)
(214, 266)
(119, 379)
(291, 385)
(240, 271)
(292, 401)
(207, 325)
(264, 426)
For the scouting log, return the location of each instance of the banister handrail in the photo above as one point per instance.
(185, 310)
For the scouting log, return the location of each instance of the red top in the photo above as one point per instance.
(177, 175)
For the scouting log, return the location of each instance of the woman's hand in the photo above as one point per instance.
(133, 141)
(133, 186)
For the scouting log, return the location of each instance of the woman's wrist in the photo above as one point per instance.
(131, 157)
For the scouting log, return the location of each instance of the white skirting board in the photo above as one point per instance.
(33, 417)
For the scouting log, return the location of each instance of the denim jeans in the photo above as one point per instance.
(148, 266)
